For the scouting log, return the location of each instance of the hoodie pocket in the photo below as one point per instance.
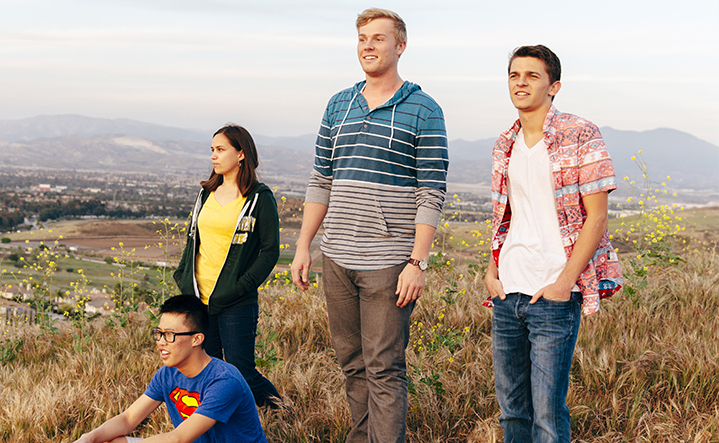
(381, 222)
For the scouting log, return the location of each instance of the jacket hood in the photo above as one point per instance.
(257, 188)
(402, 93)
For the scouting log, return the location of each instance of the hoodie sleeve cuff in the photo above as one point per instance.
(317, 195)
(427, 216)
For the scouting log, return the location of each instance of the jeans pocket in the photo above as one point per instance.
(559, 302)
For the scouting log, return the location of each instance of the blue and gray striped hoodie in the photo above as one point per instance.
(380, 172)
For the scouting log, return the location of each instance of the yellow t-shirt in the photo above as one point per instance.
(216, 225)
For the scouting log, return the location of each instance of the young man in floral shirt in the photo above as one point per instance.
(551, 253)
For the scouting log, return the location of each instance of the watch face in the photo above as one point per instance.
(421, 264)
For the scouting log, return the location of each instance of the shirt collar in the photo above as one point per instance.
(548, 128)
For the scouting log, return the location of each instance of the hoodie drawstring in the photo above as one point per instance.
(391, 126)
(339, 130)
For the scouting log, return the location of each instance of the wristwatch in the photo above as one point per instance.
(421, 264)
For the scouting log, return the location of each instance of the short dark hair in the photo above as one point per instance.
(550, 59)
(192, 308)
(240, 139)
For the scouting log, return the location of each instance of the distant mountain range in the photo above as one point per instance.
(51, 126)
(78, 142)
(689, 161)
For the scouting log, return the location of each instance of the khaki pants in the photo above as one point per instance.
(370, 335)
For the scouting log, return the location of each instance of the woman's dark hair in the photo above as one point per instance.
(241, 140)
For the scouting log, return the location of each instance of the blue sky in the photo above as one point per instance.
(272, 65)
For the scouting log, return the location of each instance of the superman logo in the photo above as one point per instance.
(186, 402)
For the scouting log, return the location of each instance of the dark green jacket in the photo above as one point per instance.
(252, 255)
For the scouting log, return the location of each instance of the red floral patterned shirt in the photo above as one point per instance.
(580, 166)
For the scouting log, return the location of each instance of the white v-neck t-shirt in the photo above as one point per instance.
(532, 256)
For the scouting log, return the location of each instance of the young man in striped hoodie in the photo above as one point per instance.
(378, 183)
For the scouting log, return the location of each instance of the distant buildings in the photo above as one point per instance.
(16, 313)
(49, 188)
(17, 292)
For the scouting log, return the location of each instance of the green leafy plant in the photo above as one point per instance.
(435, 343)
(10, 349)
(652, 230)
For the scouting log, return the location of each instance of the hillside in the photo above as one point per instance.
(77, 142)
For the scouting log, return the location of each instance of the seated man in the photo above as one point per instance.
(207, 399)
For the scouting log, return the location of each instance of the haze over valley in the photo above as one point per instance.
(73, 142)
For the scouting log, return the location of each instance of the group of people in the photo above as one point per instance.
(378, 187)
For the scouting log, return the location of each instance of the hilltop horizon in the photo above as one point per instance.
(54, 125)
(80, 142)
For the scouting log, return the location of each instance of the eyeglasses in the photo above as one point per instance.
(168, 335)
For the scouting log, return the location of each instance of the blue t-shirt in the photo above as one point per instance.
(218, 392)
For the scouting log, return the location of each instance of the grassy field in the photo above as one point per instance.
(646, 367)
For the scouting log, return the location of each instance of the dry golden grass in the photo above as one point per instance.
(645, 369)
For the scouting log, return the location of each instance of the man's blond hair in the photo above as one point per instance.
(400, 29)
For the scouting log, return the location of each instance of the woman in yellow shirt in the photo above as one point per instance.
(232, 246)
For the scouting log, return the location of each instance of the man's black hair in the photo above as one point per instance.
(192, 308)
(550, 59)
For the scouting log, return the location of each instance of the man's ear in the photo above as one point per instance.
(554, 89)
(198, 339)
(400, 48)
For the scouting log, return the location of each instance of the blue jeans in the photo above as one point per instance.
(233, 331)
(532, 347)
(370, 335)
